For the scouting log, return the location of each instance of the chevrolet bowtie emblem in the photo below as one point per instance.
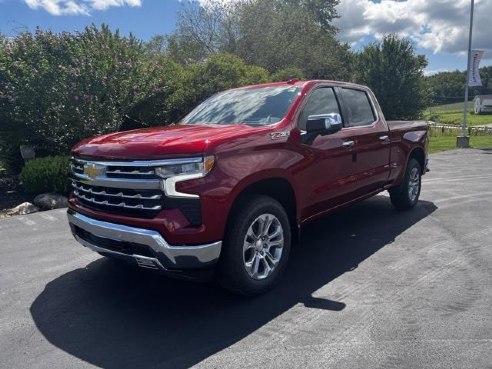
(93, 170)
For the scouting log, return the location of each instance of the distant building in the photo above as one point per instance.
(483, 104)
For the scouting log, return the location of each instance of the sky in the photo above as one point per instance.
(438, 28)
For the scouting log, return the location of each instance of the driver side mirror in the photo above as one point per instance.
(324, 124)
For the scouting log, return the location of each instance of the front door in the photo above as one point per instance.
(326, 175)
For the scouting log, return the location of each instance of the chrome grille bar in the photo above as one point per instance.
(119, 205)
(141, 163)
(120, 194)
(135, 184)
(130, 173)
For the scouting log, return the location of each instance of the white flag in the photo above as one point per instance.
(474, 74)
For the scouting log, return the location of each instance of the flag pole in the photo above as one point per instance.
(463, 141)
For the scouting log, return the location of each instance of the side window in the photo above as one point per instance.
(321, 101)
(359, 107)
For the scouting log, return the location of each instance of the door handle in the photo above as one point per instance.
(384, 139)
(348, 144)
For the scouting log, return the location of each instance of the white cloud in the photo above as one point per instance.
(59, 7)
(104, 4)
(78, 7)
(438, 25)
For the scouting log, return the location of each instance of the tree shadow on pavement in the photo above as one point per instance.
(114, 316)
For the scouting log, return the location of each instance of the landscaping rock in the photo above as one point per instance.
(24, 208)
(49, 201)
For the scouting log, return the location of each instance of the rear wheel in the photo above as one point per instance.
(256, 246)
(406, 195)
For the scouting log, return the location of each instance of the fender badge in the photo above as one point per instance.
(278, 135)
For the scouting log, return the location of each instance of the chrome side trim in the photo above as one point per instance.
(169, 185)
(204, 254)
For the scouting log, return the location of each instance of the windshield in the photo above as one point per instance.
(253, 106)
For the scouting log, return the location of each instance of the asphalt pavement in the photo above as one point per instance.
(368, 287)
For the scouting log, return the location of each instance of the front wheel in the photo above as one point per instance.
(406, 195)
(256, 248)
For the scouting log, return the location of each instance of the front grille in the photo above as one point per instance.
(128, 189)
(116, 170)
(145, 203)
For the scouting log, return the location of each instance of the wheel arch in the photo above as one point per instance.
(418, 154)
(278, 188)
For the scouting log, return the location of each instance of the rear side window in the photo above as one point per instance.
(321, 101)
(359, 108)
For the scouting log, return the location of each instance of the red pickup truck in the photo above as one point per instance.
(228, 187)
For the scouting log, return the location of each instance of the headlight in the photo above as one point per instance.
(184, 171)
(179, 169)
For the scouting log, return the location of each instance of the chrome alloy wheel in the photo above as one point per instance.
(413, 184)
(263, 245)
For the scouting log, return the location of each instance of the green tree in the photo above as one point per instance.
(288, 73)
(449, 87)
(203, 30)
(486, 77)
(396, 75)
(273, 34)
(291, 36)
(323, 11)
(220, 72)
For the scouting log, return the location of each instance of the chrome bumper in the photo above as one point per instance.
(163, 256)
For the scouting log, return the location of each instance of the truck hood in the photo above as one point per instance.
(152, 143)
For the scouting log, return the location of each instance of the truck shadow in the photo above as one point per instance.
(119, 317)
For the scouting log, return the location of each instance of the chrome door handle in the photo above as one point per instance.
(348, 143)
(383, 138)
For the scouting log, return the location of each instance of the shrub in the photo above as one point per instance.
(48, 174)
(57, 88)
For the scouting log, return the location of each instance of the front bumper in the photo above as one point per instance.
(147, 247)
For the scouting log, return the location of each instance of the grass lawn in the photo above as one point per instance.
(443, 143)
(453, 114)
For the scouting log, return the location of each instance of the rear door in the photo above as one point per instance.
(372, 141)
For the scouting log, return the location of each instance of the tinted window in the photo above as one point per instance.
(253, 106)
(359, 108)
(321, 101)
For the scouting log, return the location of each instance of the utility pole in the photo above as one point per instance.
(463, 141)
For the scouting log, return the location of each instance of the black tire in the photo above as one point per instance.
(401, 196)
(232, 271)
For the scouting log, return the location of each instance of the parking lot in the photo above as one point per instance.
(368, 287)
